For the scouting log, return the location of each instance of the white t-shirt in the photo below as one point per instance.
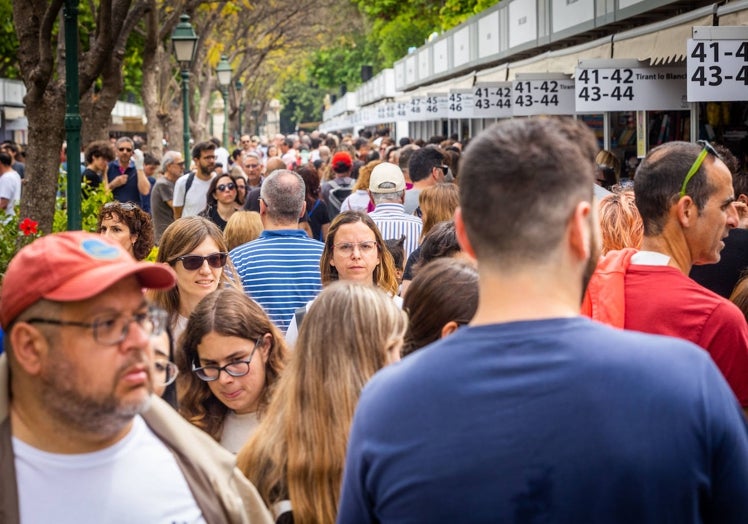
(10, 188)
(237, 429)
(135, 480)
(196, 196)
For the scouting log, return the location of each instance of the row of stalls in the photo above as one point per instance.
(681, 77)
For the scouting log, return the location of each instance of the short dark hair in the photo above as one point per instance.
(150, 160)
(443, 291)
(5, 159)
(100, 149)
(423, 160)
(658, 182)
(520, 182)
(404, 141)
(405, 153)
(198, 149)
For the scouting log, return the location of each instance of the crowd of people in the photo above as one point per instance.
(253, 373)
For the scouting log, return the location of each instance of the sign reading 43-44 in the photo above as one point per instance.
(717, 64)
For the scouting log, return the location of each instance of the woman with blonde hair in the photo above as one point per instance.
(354, 250)
(359, 200)
(437, 204)
(620, 223)
(296, 456)
(242, 227)
(232, 357)
(194, 247)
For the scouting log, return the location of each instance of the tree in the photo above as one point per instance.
(41, 63)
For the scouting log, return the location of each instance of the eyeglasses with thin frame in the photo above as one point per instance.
(226, 187)
(166, 368)
(238, 368)
(112, 328)
(193, 262)
(365, 248)
(708, 149)
(252, 166)
(123, 149)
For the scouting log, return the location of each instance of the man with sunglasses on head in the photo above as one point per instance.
(426, 168)
(126, 180)
(82, 437)
(685, 197)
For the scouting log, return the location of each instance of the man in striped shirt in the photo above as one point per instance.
(387, 191)
(280, 270)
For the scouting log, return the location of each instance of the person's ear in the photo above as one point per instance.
(685, 211)
(29, 347)
(265, 345)
(461, 234)
(581, 231)
(303, 209)
(449, 328)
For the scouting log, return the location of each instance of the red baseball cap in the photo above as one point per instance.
(72, 266)
(341, 157)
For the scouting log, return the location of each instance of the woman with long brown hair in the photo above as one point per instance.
(232, 356)
(296, 456)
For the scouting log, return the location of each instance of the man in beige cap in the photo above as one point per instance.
(387, 192)
(82, 438)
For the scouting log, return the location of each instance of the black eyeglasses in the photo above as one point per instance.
(193, 262)
(223, 187)
(708, 150)
(238, 368)
(111, 329)
(128, 149)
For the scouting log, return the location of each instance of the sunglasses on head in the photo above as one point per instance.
(193, 262)
(708, 149)
(125, 206)
(128, 149)
(224, 187)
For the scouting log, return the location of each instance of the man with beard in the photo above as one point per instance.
(534, 413)
(191, 190)
(684, 195)
(82, 438)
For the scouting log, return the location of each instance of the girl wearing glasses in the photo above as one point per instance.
(128, 225)
(194, 247)
(222, 200)
(354, 250)
(296, 456)
(232, 357)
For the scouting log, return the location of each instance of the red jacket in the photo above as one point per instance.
(604, 299)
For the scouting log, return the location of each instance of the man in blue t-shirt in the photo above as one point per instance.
(533, 413)
(126, 180)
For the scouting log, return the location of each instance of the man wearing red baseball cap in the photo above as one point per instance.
(82, 438)
(339, 188)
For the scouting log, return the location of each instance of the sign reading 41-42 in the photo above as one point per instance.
(717, 64)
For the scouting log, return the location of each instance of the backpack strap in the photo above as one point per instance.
(188, 184)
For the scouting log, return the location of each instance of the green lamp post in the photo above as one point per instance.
(184, 44)
(72, 115)
(224, 72)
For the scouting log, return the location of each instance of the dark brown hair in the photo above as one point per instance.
(138, 222)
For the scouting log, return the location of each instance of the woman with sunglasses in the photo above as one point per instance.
(222, 200)
(195, 248)
(232, 357)
(296, 456)
(128, 225)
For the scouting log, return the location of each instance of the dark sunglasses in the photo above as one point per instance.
(193, 262)
(128, 149)
(708, 149)
(224, 187)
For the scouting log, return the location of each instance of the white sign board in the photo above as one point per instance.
(417, 109)
(538, 94)
(492, 100)
(402, 110)
(437, 106)
(460, 103)
(718, 69)
(611, 88)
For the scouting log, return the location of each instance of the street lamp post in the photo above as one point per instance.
(184, 43)
(223, 72)
(72, 115)
(238, 85)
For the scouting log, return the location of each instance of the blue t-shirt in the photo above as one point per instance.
(550, 421)
(129, 192)
(280, 271)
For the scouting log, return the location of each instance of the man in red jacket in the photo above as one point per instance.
(684, 194)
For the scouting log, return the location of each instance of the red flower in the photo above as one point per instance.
(28, 226)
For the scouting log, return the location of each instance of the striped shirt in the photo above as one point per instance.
(280, 271)
(393, 222)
